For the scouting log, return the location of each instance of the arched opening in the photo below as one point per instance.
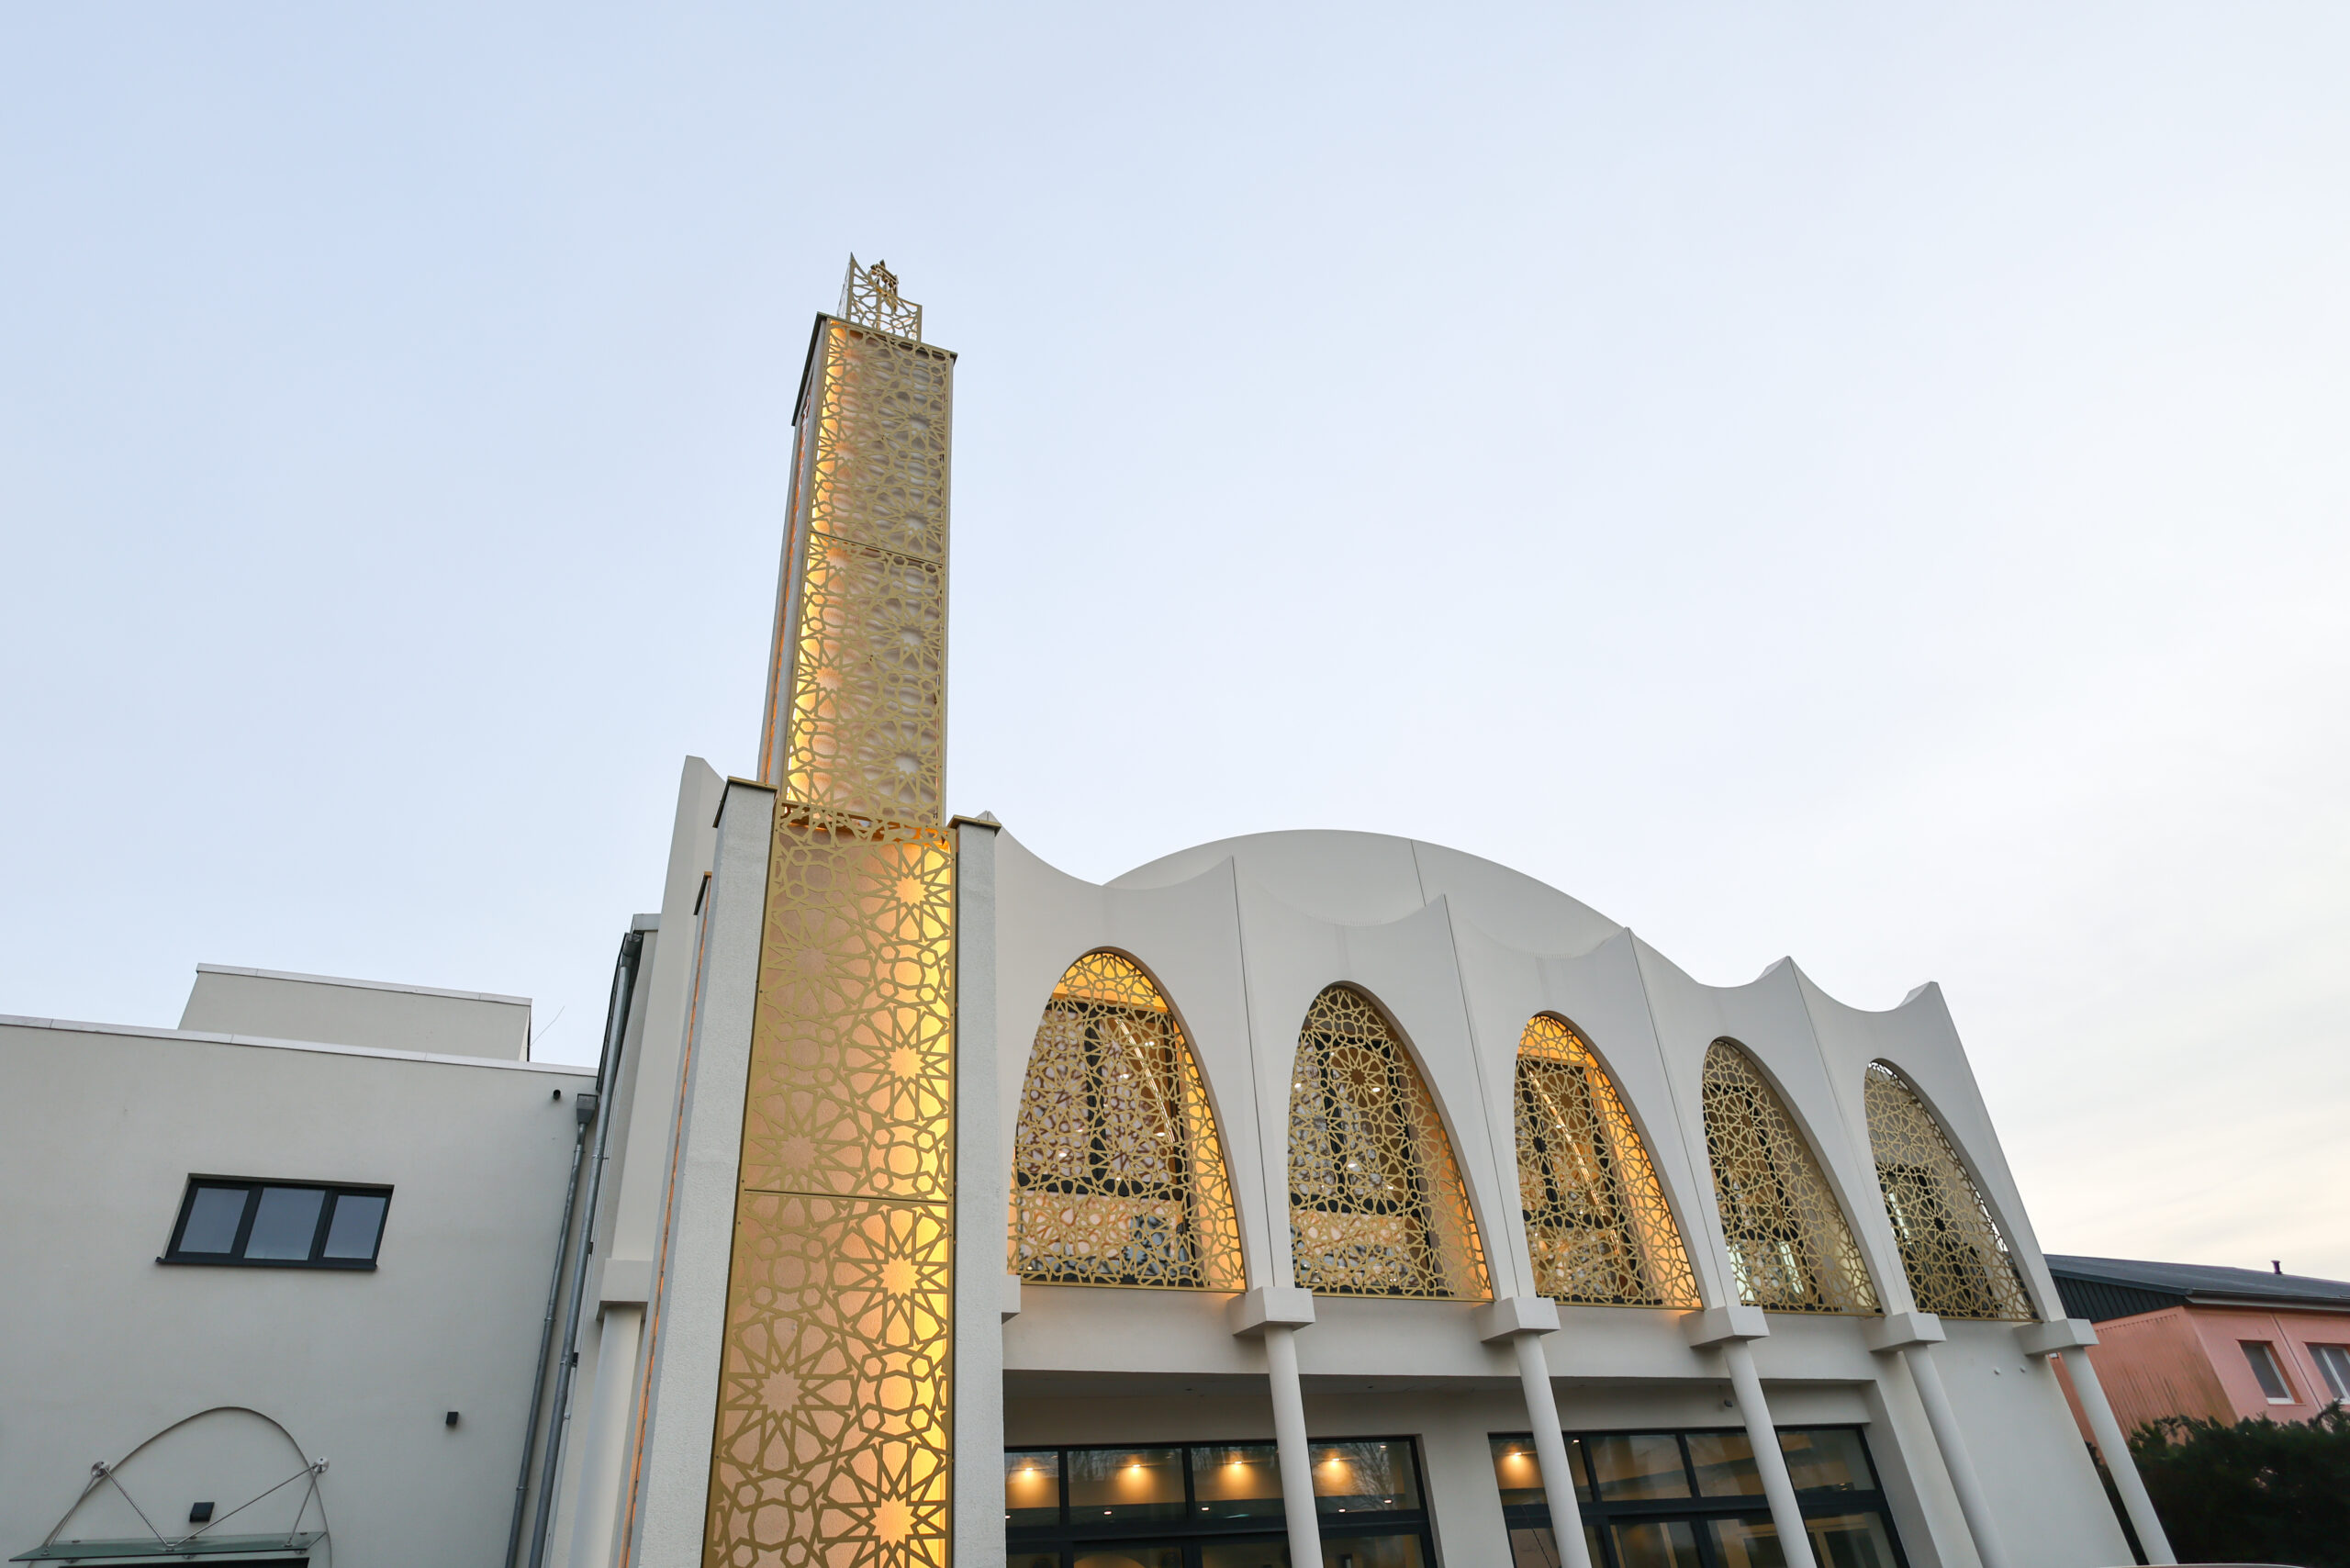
(1957, 1263)
(1118, 1177)
(1376, 1202)
(1790, 1248)
(1597, 1222)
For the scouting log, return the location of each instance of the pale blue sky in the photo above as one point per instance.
(1862, 482)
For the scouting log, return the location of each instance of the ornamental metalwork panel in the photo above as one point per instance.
(1376, 1202)
(1597, 1220)
(864, 709)
(1790, 1248)
(1957, 1263)
(1118, 1177)
(832, 1445)
(869, 295)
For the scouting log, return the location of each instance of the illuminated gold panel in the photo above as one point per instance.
(1957, 1262)
(1595, 1216)
(1790, 1250)
(1118, 1176)
(832, 1444)
(1376, 1202)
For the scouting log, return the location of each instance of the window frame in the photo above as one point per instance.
(254, 1186)
(2258, 1351)
(2332, 1363)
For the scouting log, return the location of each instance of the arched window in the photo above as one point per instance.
(1596, 1216)
(1376, 1204)
(1117, 1174)
(1957, 1262)
(1790, 1248)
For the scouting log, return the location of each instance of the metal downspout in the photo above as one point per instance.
(615, 1031)
(546, 1336)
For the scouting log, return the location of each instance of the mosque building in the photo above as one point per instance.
(1305, 1198)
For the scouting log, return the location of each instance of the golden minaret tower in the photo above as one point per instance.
(833, 1404)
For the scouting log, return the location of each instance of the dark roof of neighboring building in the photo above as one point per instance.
(2101, 1289)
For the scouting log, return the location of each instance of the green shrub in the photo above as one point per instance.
(2254, 1492)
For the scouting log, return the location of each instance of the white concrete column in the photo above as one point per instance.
(1275, 1313)
(1730, 1328)
(1912, 1335)
(595, 1507)
(2071, 1338)
(1523, 1320)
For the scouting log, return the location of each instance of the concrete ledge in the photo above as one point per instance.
(1513, 1315)
(2064, 1334)
(627, 1281)
(1903, 1331)
(1010, 1301)
(1270, 1306)
(1721, 1324)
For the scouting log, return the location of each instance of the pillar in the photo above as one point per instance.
(2071, 1337)
(1275, 1314)
(1523, 1320)
(1911, 1336)
(1731, 1328)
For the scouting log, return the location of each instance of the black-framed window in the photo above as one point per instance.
(1693, 1499)
(1212, 1506)
(279, 1224)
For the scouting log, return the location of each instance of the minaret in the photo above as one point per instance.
(833, 1431)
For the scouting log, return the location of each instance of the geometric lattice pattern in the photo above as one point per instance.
(1596, 1216)
(1958, 1264)
(1117, 1175)
(860, 678)
(1377, 1207)
(869, 296)
(1790, 1248)
(831, 1442)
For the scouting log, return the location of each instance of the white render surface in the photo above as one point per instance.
(101, 1346)
(272, 1004)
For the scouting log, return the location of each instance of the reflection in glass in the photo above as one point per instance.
(1643, 1464)
(212, 1220)
(1032, 1489)
(358, 1220)
(1132, 1557)
(1271, 1552)
(1237, 1482)
(1669, 1543)
(1850, 1541)
(1748, 1543)
(1124, 1483)
(1827, 1458)
(1358, 1478)
(1725, 1465)
(1518, 1471)
(1032, 1560)
(1371, 1552)
(286, 1223)
(1538, 1548)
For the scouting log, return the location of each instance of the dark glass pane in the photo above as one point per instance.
(1371, 1552)
(1647, 1464)
(1124, 1483)
(1827, 1459)
(285, 1224)
(1850, 1541)
(1538, 1548)
(1237, 1482)
(212, 1219)
(1748, 1543)
(1271, 1552)
(358, 1220)
(1018, 1559)
(1032, 1489)
(1128, 1556)
(1364, 1478)
(1725, 1464)
(1668, 1544)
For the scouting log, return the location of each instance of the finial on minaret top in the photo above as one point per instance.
(870, 298)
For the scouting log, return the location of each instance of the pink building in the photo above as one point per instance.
(2229, 1344)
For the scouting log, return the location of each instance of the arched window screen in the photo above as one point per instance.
(1118, 1177)
(1596, 1216)
(1957, 1262)
(1790, 1248)
(1376, 1204)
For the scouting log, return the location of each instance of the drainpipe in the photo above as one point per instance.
(1731, 1328)
(615, 1030)
(1275, 1314)
(2070, 1338)
(1523, 1320)
(546, 1329)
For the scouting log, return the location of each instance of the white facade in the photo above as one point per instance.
(104, 1344)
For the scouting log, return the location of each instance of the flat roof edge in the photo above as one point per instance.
(362, 984)
(200, 1036)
